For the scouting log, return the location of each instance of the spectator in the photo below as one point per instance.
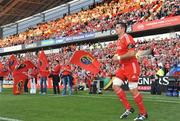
(1, 84)
(67, 78)
(55, 77)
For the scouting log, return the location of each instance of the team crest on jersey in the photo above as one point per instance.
(86, 60)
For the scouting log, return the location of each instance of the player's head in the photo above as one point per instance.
(120, 28)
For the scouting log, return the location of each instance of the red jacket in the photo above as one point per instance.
(44, 73)
(66, 70)
(57, 69)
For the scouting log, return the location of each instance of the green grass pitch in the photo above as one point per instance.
(83, 107)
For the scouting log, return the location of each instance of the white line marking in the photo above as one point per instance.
(166, 101)
(114, 97)
(8, 119)
(153, 97)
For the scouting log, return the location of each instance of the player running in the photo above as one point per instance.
(129, 70)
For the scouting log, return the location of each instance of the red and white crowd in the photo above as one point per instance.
(99, 17)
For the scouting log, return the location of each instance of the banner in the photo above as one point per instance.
(47, 42)
(1, 50)
(12, 62)
(42, 60)
(3, 70)
(86, 61)
(12, 48)
(60, 40)
(33, 45)
(103, 34)
(43, 64)
(144, 83)
(18, 86)
(78, 38)
(8, 83)
(20, 74)
(24, 66)
(170, 21)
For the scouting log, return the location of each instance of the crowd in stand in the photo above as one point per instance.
(100, 17)
(166, 52)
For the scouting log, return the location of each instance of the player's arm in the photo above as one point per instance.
(130, 53)
(142, 53)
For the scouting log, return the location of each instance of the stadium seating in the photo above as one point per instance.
(165, 52)
(99, 18)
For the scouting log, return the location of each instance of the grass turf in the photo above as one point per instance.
(83, 107)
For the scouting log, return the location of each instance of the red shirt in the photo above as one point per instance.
(124, 44)
(66, 70)
(44, 73)
(57, 69)
(34, 73)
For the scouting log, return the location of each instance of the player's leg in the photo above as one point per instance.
(133, 86)
(133, 76)
(34, 85)
(117, 82)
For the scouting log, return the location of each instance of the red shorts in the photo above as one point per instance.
(129, 71)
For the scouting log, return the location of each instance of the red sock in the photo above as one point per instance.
(122, 96)
(139, 101)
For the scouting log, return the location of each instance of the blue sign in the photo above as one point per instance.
(68, 39)
(1, 50)
(47, 42)
(58, 41)
(89, 35)
(80, 37)
(33, 45)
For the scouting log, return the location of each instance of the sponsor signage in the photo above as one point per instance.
(8, 84)
(103, 34)
(79, 37)
(12, 48)
(144, 88)
(59, 40)
(113, 32)
(68, 39)
(33, 45)
(144, 83)
(1, 50)
(47, 42)
(170, 21)
(129, 28)
(89, 35)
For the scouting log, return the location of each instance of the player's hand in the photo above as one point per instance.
(142, 53)
(116, 57)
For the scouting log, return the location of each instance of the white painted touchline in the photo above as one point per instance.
(8, 119)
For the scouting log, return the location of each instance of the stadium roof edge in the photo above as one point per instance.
(12, 11)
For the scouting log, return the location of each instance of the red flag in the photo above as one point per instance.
(3, 70)
(18, 85)
(43, 64)
(12, 62)
(86, 61)
(42, 61)
(20, 74)
(1, 65)
(29, 64)
(24, 66)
